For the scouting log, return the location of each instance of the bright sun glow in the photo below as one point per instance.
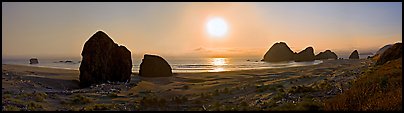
(217, 27)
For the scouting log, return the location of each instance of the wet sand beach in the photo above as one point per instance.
(38, 88)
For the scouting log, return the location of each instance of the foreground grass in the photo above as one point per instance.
(379, 89)
(24, 101)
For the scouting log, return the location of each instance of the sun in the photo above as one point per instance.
(217, 27)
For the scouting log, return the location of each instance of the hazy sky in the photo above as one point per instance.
(178, 29)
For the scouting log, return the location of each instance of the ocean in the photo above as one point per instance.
(178, 65)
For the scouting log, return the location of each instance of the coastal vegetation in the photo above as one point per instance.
(380, 88)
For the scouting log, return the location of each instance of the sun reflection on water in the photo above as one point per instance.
(218, 64)
(219, 61)
(217, 70)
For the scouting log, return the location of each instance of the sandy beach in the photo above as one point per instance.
(38, 88)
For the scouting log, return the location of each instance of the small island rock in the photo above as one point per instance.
(33, 61)
(354, 55)
(154, 66)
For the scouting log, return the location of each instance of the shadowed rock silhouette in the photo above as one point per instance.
(327, 54)
(380, 52)
(279, 52)
(33, 61)
(103, 61)
(305, 55)
(154, 66)
(354, 55)
(384, 48)
(392, 53)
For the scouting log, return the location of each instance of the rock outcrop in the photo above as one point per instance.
(279, 52)
(377, 55)
(305, 55)
(354, 55)
(327, 54)
(392, 53)
(384, 48)
(33, 61)
(154, 66)
(103, 60)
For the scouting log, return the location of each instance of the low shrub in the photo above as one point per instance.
(112, 95)
(99, 107)
(11, 108)
(300, 89)
(305, 105)
(80, 99)
(33, 106)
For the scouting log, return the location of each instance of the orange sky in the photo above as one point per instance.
(178, 29)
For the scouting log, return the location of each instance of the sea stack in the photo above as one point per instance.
(305, 55)
(33, 61)
(354, 55)
(103, 60)
(154, 66)
(392, 53)
(279, 52)
(327, 54)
